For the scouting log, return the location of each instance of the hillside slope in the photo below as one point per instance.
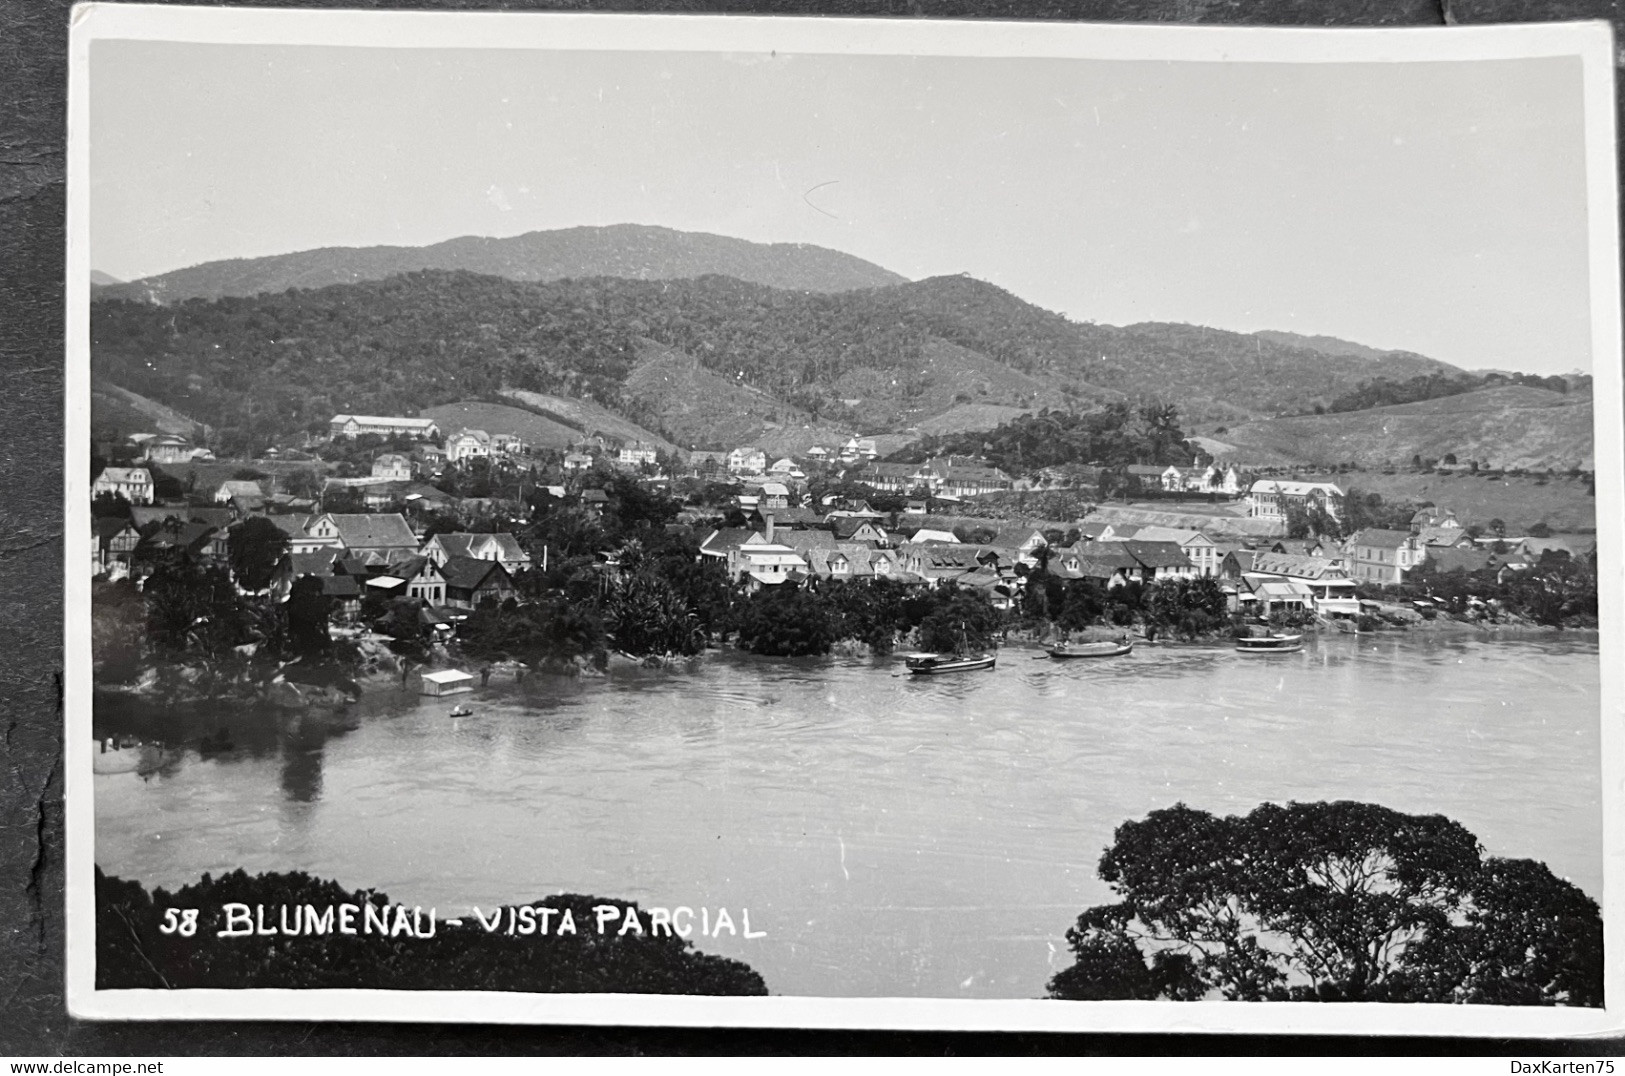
(712, 361)
(623, 250)
(122, 412)
(1512, 427)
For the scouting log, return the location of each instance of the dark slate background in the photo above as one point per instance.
(33, 1020)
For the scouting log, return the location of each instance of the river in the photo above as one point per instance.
(892, 836)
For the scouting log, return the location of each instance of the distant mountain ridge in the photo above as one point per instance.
(630, 251)
(708, 361)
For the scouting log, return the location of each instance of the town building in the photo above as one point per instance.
(501, 547)
(378, 537)
(237, 487)
(1328, 585)
(1270, 498)
(353, 426)
(134, 484)
(393, 466)
(1196, 546)
(637, 454)
(468, 445)
(470, 582)
(747, 460)
(168, 448)
(1375, 555)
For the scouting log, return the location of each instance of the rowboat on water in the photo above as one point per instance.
(1278, 643)
(1090, 650)
(928, 664)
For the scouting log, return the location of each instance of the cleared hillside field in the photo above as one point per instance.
(1510, 427)
(1520, 501)
(125, 412)
(587, 416)
(495, 418)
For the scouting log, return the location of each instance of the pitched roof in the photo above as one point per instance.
(847, 526)
(726, 540)
(233, 487)
(374, 529)
(1302, 567)
(1157, 554)
(1379, 536)
(1179, 535)
(1111, 554)
(805, 540)
(467, 573)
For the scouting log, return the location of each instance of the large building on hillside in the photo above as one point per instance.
(353, 426)
(1270, 498)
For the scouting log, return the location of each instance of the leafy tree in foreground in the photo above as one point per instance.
(1329, 902)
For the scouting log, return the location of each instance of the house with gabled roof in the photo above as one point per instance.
(386, 533)
(468, 444)
(857, 529)
(470, 582)
(116, 539)
(392, 465)
(501, 547)
(1018, 544)
(1195, 545)
(1378, 555)
(1270, 498)
(232, 488)
(1327, 583)
(747, 460)
(1081, 561)
(134, 484)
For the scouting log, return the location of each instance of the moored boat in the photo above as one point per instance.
(927, 664)
(1090, 650)
(1277, 643)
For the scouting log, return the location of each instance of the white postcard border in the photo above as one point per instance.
(1591, 42)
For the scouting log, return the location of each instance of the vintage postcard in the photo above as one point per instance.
(899, 524)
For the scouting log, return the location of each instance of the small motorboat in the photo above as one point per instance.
(1277, 643)
(929, 664)
(1090, 650)
(461, 711)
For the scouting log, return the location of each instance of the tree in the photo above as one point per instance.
(1329, 902)
(784, 621)
(308, 609)
(257, 546)
(1540, 530)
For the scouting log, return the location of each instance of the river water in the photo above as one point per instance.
(924, 836)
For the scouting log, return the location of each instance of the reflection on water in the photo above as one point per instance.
(894, 835)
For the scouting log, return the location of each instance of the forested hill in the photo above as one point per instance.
(871, 360)
(632, 251)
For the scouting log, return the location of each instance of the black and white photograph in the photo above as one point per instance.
(814, 522)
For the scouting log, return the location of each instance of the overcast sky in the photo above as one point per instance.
(1435, 207)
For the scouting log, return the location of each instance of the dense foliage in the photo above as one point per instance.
(266, 368)
(134, 952)
(1329, 902)
(1114, 435)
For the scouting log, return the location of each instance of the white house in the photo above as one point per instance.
(1269, 498)
(134, 484)
(1195, 545)
(393, 466)
(747, 460)
(637, 454)
(468, 445)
